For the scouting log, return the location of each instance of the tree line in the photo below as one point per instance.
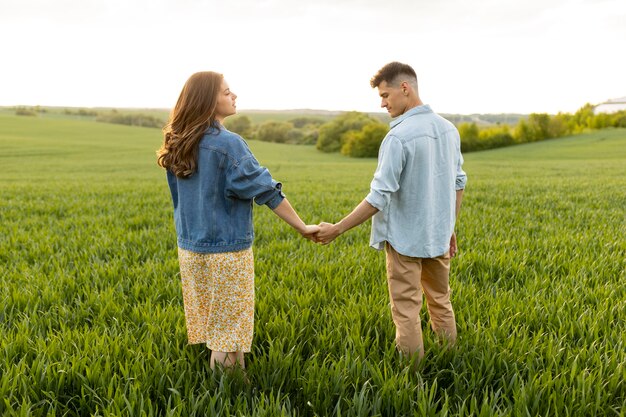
(302, 130)
(359, 134)
(130, 119)
(107, 116)
(352, 133)
(537, 127)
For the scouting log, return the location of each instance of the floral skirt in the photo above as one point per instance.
(218, 294)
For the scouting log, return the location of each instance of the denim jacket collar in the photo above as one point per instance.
(415, 110)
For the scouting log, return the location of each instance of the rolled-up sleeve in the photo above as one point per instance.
(386, 180)
(248, 180)
(461, 177)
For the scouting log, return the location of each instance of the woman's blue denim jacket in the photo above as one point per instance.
(213, 207)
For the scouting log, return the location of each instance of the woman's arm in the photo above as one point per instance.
(289, 215)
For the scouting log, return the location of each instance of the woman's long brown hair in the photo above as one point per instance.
(193, 114)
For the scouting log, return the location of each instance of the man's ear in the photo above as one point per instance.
(405, 88)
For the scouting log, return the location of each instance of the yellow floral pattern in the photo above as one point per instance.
(218, 295)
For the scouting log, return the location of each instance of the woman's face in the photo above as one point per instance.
(225, 102)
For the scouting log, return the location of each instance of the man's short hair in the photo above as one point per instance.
(391, 72)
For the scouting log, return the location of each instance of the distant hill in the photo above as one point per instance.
(611, 106)
(510, 119)
(479, 119)
(257, 116)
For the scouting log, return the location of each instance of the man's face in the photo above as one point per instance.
(393, 98)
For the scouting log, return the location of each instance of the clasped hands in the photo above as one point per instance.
(323, 233)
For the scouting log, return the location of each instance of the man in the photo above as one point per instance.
(415, 199)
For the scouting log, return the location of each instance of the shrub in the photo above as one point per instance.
(365, 142)
(240, 125)
(469, 136)
(272, 131)
(332, 134)
(494, 137)
(24, 111)
(81, 112)
(131, 119)
(619, 119)
(304, 121)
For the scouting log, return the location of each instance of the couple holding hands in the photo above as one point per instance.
(414, 200)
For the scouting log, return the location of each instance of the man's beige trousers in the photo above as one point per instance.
(406, 278)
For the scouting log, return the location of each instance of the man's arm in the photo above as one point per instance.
(386, 181)
(453, 245)
(361, 213)
(459, 199)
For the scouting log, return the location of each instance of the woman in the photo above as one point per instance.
(213, 178)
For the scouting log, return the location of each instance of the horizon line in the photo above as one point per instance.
(293, 110)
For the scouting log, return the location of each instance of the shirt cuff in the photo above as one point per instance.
(276, 200)
(460, 182)
(273, 197)
(377, 200)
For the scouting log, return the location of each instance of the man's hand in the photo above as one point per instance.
(310, 232)
(328, 232)
(453, 247)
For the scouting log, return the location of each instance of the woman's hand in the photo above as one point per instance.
(310, 232)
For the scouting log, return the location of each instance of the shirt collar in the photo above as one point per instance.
(411, 112)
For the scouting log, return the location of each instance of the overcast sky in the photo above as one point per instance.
(471, 56)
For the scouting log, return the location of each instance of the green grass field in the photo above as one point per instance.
(91, 315)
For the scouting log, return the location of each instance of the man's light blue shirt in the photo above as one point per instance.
(414, 186)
